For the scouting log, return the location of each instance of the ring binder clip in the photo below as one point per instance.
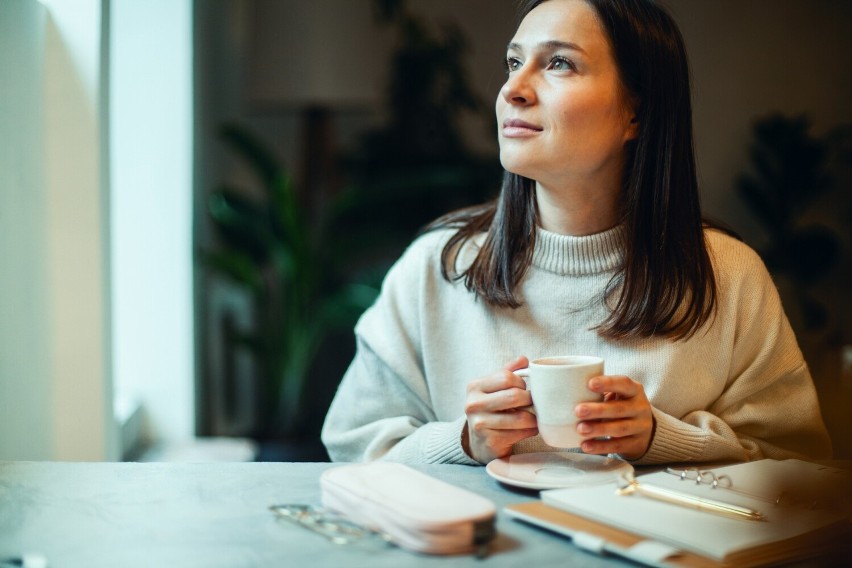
(628, 485)
(706, 477)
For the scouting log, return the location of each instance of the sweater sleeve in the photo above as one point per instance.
(769, 407)
(382, 409)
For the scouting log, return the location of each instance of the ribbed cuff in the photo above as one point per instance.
(674, 441)
(444, 443)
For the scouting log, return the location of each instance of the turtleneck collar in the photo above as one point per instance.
(570, 255)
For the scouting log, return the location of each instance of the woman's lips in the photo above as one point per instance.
(516, 128)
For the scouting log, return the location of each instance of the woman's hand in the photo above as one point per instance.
(624, 416)
(496, 418)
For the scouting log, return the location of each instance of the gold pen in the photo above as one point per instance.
(687, 500)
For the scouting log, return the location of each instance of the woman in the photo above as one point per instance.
(595, 246)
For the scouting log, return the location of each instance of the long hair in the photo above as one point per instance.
(665, 285)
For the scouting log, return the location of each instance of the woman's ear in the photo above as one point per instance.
(632, 131)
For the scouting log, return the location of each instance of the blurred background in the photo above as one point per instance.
(199, 198)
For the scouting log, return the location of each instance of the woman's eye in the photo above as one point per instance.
(512, 64)
(559, 63)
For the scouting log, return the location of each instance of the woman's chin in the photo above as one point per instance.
(518, 167)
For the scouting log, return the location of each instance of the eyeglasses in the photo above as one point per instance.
(328, 524)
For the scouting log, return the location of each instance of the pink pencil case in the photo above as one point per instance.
(414, 510)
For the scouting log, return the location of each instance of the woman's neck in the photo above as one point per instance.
(577, 210)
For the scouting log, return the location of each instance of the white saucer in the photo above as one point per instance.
(552, 470)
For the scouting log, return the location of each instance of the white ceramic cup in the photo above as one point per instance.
(557, 385)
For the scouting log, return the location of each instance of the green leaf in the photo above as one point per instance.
(242, 223)
(289, 217)
(343, 308)
(255, 152)
(236, 266)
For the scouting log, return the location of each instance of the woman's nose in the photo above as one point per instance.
(518, 89)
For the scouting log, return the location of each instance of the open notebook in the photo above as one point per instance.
(806, 510)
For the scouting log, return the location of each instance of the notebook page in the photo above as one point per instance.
(701, 532)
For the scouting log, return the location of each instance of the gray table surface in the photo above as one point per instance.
(211, 515)
(217, 515)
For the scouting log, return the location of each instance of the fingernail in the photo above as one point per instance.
(582, 411)
(584, 428)
(594, 384)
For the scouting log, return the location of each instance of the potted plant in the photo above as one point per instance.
(313, 263)
(791, 173)
(798, 190)
(284, 254)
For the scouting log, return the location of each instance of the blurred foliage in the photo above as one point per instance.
(792, 171)
(284, 255)
(314, 264)
(417, 166)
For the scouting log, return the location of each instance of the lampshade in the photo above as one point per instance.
(330, 53)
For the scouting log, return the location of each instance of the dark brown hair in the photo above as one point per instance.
(665, 285)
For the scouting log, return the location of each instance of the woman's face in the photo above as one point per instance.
(562, 118)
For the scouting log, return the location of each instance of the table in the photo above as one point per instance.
(216, 515)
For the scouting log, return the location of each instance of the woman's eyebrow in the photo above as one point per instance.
(551, 45)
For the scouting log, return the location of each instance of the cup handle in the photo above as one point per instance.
(525, 374)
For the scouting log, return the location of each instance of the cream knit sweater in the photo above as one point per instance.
(739, 389)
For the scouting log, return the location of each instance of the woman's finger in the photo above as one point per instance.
(620, 385)
(495, 382)
(630, 447)
(613, 409)
(509, 420)
(495, 421)
(613, 428)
